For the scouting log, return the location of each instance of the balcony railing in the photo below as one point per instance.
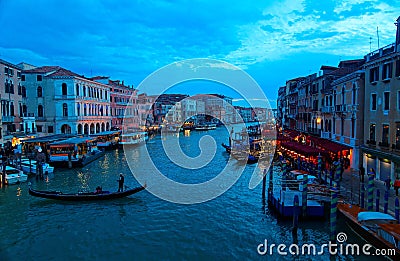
(7, 119)
(341, 108)
(327, 109)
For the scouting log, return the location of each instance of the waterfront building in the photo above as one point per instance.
(145, 109)
(382, 110)
(281, 106)
(349, 113)
(13, 105)
(65, 102)
(218, 108)
(290, 117)
(124, 106)
(163, 104)
(246, 114)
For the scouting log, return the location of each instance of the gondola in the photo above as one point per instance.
(83, 196)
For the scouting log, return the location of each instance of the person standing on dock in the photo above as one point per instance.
(121, 183)
(40, 159)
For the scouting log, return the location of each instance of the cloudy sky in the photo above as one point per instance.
(272, 41)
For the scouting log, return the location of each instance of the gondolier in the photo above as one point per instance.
(121, 183)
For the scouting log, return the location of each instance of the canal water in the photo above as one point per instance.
(144, 227)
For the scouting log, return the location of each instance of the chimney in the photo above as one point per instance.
(397, 35)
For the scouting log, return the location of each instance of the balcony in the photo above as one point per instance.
(8, 119)
(340, 108)
(326, 135)
(327, 109)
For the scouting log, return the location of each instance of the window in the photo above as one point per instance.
(40, 111)
(372, 131)
(19, 89)
(23, 77)
(50, 129)
(387, 71)
(10, 87)
(385, 134)
(343, 93)
(39, 128)
(354, 93)
(39, 92)
(373, 101)
(342, 126)
(397, 74)
(7, 88)
(398, 100)
(65, 110)
(23, 92)
(84, 90)
(12, 109)
(374, 74)
(353, 124)
(386, 101)
(39, 78)
(84, 110)
(78, 109)
(64, 88)
(77, 89)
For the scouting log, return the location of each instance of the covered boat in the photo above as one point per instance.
(84, 196)
(374, 227)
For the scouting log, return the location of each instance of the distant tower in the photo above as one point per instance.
(398, 35)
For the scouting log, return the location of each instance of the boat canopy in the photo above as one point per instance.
(73, 141)
(367, 215)
(105, 133)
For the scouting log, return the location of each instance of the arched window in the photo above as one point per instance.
(77, 89)
(64, 88)
(23, 92)
(84, 110)
(65, 110)
(84, 90)
(39, 91)
(40, 111)
(78, 109)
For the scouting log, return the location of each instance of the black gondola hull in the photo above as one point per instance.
(83, 196)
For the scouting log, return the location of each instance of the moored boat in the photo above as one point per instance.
(78, 151)
(107, 139)
(84, 196)
(29, 166)
(374, 227)
(134, 138)
(204, 127)
(14, 176)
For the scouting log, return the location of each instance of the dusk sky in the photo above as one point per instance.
(273, 41)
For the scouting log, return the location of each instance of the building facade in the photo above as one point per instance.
(381, 151)
(12, 95)
(65, 102)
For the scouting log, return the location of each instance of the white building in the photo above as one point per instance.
(65, 102)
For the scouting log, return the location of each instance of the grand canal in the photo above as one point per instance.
(144, 227)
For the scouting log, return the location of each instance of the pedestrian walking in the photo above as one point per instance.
(397, 185)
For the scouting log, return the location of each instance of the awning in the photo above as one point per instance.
(303, 149)
(328, 144)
